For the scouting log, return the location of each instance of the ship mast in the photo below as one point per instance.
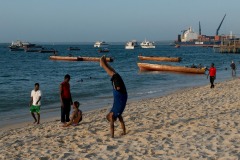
(220, 25)
(200, 29)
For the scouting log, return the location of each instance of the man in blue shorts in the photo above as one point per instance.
(35, 103)
(119, 94)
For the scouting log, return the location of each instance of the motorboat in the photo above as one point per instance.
(131, 44)
(147, 44)
(102, 50)
(100, 44)
(21, 46)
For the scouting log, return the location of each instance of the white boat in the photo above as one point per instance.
(147, 44)
(131, 44)
(101, 44)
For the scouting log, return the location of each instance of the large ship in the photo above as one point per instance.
(191, 38)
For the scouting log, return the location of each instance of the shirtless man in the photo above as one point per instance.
(119, 94)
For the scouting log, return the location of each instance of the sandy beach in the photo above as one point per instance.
(196, 123)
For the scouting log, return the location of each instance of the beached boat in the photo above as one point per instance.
(69, 58)
(154, 58)
(159, 67)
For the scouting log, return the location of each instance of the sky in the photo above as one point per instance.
(113, 20)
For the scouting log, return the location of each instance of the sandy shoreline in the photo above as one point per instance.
(197, 123)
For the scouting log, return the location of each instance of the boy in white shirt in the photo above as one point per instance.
(35, 103)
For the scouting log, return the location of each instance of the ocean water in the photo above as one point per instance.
(90, 85)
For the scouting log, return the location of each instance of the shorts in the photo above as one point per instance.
(119, 103)
(35, 109)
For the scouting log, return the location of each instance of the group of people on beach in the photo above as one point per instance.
(119, 93)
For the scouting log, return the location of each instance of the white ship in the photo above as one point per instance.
(131, 44)
(147, 44)
(101, 44)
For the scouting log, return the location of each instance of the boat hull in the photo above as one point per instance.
(148, 46)
(158, 67)
(69, 58)
(153, 58)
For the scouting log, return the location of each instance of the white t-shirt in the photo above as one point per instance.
(36, 95)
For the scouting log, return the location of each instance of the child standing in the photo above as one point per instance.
(35, 103)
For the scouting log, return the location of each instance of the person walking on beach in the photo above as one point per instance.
(212, 73)
(66, 99)
(35, 103)
(119, 94)
(233, 67)
(76, 115)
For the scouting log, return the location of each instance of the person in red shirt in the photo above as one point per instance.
(212, 73)
(66, 99)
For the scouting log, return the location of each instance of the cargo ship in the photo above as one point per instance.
(191, 38)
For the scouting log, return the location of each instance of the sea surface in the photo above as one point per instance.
(90, 85)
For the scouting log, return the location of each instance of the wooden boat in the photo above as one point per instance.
(159, 67)
(64, 58)
(153, 58)
(69, 58)
(94, 59)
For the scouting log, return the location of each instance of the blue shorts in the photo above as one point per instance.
(119, 103)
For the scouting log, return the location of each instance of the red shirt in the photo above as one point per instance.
(212, 71)
(66, 90)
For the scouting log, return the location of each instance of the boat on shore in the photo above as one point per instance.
(155, 58)
(79, 58)
(159, 67)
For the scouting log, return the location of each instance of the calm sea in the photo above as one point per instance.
(90, 85)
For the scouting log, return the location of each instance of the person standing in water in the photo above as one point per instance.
(119, 94)
(35, 103)
(66, 99)
(233, 67)
(212, 73)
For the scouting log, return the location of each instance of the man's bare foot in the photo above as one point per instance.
(35, 122)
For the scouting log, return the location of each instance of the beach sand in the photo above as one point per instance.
(196, 123)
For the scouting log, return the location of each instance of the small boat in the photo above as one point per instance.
(131, 44)
(177, 46)
(100, 44)
(45, 50)
(64, 58)
(100, 50)
(159, 67)
(147, 44)
(21, 46)
(70, 58)
(73, 49)
(154, 58)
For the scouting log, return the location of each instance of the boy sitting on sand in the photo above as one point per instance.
(76, 115)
